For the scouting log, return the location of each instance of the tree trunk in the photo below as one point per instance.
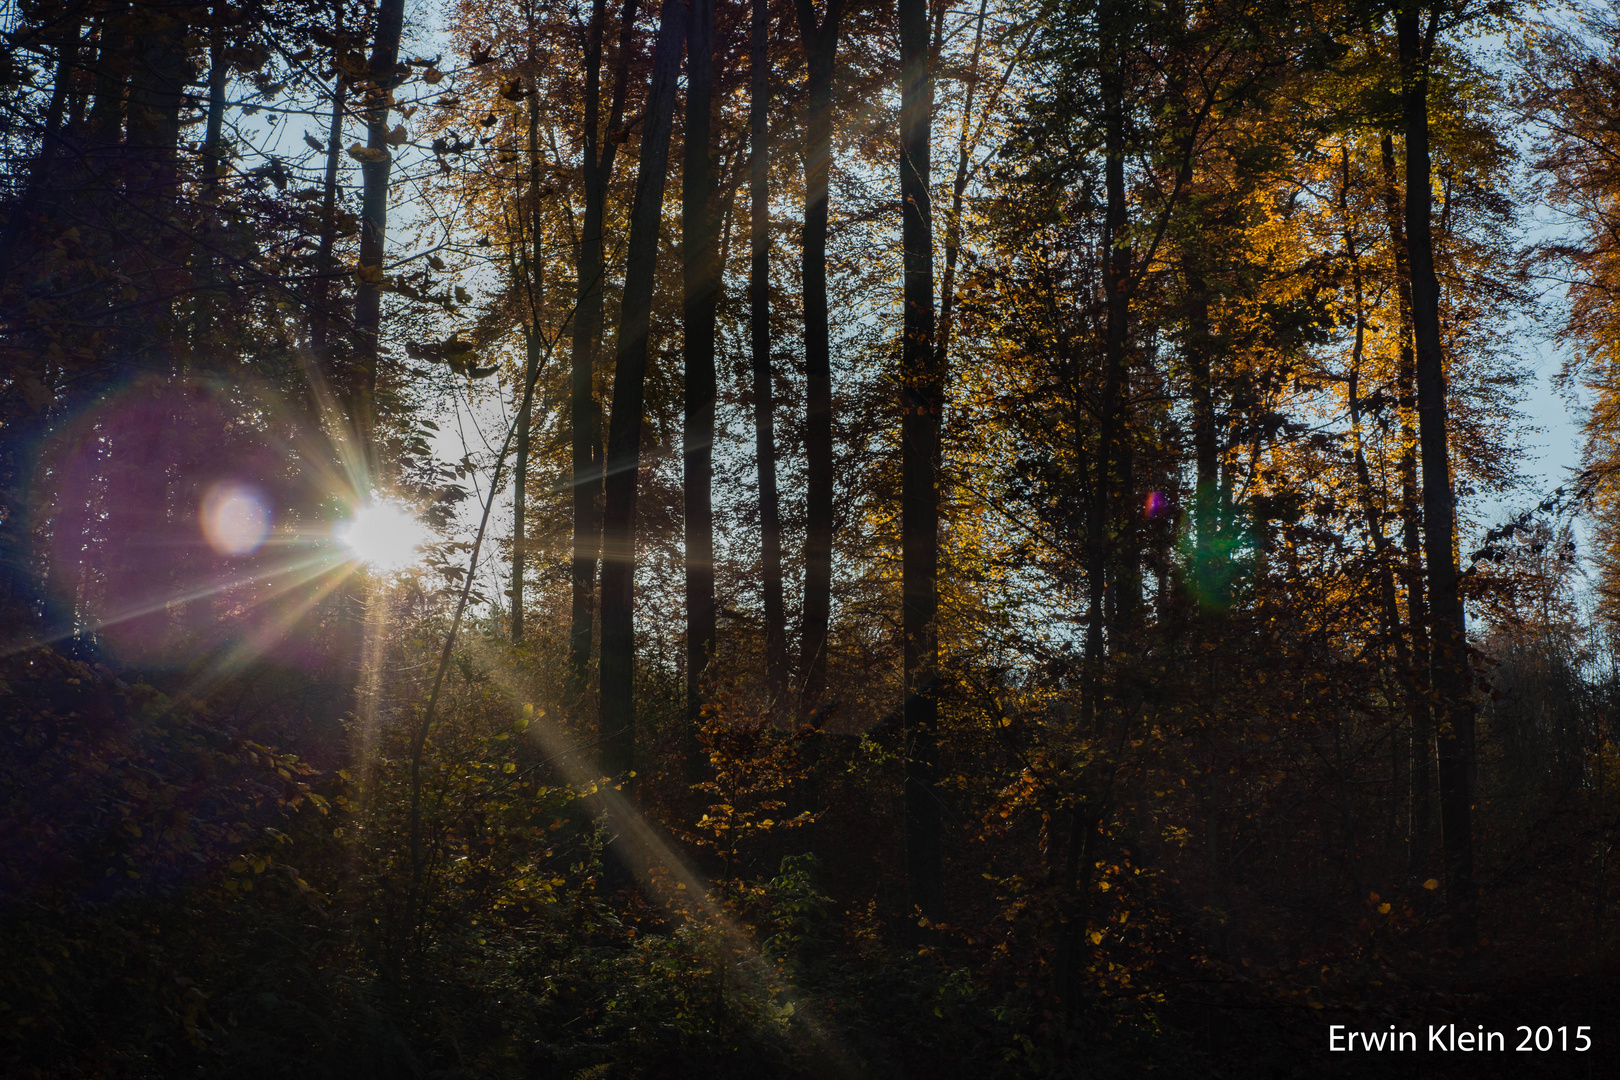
(585, 411)
(820, 49)
(156, 92)
(320, 312)
(1090, 797)
(112, 75)
(701, 274)
(218, 73)
(1448, 667)
(1209, 568)
(1421, 778)
(374, 170)
(759, 318)
(921, 400)
(531, 367)
(629, 376)
(320, 316)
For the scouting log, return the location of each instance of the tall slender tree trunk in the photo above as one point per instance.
(699, 251)
(1448, 667)
(212, 169)
(1209, 569)
(759, 319)
(820, 49)
(1091, 795)
(1370, 503)
(922, 394)
(320, 320)
(1420, 774)
(585, 410)
(162, 70)
(112, 74)
(213, 135)
(959, 184)
(374, 171)
(320, 313)
(531, 366)
(618, 716)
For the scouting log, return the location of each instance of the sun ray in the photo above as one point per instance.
(326, 561)
(647, 849)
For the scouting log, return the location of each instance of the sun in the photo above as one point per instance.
(384, 535)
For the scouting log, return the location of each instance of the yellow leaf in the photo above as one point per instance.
(1431, 884)
(1383, 909)
(508, 768)
(1096, 937)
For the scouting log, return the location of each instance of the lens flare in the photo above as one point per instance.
(383, 535)
(235, 519)
(1156, 504)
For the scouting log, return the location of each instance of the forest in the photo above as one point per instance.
(808, 538)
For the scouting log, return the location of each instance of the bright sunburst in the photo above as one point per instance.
(383, 535)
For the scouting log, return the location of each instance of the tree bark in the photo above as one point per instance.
(531, 366)
(699, 246)
(820, 48)
(112, 75)
(1209, 563)
(320, 317)
(759, 318)
(1448, 666)
(156, 92)
(218, 73)
(1421, 776)
(922, 394)
(629, 377)
(374, 171)
(585, 410)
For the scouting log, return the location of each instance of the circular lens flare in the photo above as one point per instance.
(235, 519)
(383, 535)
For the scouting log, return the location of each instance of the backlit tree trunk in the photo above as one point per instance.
(922, 395)
(698, 252)
(820, 48)
(374, 172)
(618, 715)
(1448, 666)
(759, 319)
